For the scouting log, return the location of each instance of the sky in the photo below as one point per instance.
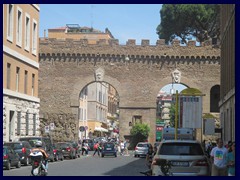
(125, 21)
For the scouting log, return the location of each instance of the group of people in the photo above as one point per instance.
(223, 159)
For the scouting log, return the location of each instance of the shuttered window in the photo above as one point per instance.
(27, 123)
(18, 122)
(34, 124)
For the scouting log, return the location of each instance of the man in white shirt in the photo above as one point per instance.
(219, 159)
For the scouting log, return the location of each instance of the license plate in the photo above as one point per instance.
(180, 163)
(109, 148)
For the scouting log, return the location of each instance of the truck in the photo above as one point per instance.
(182, 133)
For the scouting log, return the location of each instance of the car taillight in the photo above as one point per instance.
(68, 149)
(5, 156)
(54, 151)
(36, 163)
(202, 163)
(24, 150)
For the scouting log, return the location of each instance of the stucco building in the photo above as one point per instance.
(20, 70)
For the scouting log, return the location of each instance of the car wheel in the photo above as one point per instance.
(27, 162)
(8, 167)
(18, 164)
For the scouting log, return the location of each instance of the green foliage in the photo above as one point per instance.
(172, 114)
(140, 129)
(185, 20)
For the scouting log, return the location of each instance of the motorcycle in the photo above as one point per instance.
(37, 161)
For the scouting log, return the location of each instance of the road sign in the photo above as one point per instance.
(52, 126)
(81, 128)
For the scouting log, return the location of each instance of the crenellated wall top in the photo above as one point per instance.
(112, 47)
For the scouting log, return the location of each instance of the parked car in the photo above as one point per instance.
(67, 149)
(186, 158)
(23, 148)
(10, 158)
(46, 141)
(77, 147)
(109, 149)
(141, 149)
(90, 143)
(57, 153)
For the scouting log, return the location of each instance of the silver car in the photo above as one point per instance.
(185, 157)
(141, 149)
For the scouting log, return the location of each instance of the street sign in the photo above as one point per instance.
(52, 126)
(47, 129)
(81, 128)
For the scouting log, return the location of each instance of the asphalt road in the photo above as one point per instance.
(89, 166)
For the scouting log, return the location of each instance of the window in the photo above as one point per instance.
(137, 119)
(19, 123)
(33, 82)
(17, 78)
(34, 124)
(27, 32)
(34, 38)
(8, 75)
(25, 82)
(10, 22)
(27, 123)
(19, 27)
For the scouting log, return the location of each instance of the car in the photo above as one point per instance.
(186, 158)
(46, 141)
(77, 147)
(57, 153)
(109, 149)
(141, 149)
(90, 143)
(23, 148)
(67, 149)
(10, 158)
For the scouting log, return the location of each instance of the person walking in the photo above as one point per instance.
(122, 147)
(126, 144)
(97, 149)
(85, 148)
(231, 159)
(219, 159)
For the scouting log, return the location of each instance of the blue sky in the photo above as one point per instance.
(125, 21)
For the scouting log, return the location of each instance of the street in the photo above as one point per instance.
(89, 166)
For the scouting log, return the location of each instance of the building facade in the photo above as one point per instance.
(20, 70)
(227, 87)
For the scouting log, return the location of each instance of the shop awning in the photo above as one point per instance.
(100, 129)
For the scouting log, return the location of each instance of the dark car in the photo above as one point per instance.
(90, 143)
(10, 158)
(67, 149)
(109, 149)
(77, 147)
(57, 153)
(46, 141)
(23, 148)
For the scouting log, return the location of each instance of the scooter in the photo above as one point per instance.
(37, 161)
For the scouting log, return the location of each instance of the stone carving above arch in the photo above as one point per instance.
(99, 74)
(176, 75)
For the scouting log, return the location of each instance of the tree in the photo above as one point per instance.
(185, 20)
(139, 132)
(172, 114)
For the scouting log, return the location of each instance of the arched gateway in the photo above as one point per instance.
(137, 72)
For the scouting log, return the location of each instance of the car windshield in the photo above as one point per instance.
(108, 145)
(188, 149)
(15, 145)
(142, 145)
(65, 145)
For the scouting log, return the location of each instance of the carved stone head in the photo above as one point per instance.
(99, 74)
(176, 75)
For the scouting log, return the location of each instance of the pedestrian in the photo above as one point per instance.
(219, 159)
(231, 159)
(85, 147)
(122, 147)
(96, 148)
(126, 144)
